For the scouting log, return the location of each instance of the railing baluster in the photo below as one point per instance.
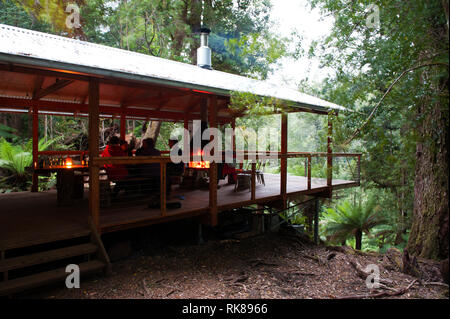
(329, 170)
(306, 167)
(309, 171)
(253, 185)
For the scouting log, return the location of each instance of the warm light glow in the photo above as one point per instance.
(202, 164)
(68, 162)
(199, 91)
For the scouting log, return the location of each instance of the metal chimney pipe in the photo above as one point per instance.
(204, 39)
(204, 52)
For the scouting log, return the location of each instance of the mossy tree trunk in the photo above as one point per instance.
(429, 231)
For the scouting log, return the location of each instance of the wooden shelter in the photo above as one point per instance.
(45, 74)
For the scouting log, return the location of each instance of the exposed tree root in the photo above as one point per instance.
(397, 292)
(363, 274)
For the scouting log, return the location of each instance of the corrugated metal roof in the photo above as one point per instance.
(45, 50)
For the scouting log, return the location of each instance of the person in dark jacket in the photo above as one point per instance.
(148, 149)
(152, 171)
(172, 168)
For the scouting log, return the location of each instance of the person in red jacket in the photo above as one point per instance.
(116, 172)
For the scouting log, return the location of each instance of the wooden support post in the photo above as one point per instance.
(123, 124)
(94, 182)
(253, 185)
(329, 153)
(101, 253)
(200, 240)
(35, 137)
(212, 112)
(284, 149)
(309, 172)
(233, 126)
(306, 166)
(316, 221)
(163, 189)
(204, 109)
(186, 137)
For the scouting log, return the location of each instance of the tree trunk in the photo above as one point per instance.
(51, 127)
(309, 212)
(152, 130)
(429, 231)
(358, 239)
(45, 128)
(15, 122)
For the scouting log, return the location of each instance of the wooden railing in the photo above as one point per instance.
(55, 153)
(98, 162)
(250, 156)
(125, 160)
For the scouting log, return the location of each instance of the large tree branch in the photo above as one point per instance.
(358, 130)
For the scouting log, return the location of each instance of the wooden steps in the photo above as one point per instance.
(43, 238)
(38, 264)
(17, 285)
(46, 256)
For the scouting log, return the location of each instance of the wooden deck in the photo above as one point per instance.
(32, 218)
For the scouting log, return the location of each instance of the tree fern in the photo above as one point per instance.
(15, 159)
(351, 220)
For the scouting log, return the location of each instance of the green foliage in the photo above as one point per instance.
(13, 13)
(347, 220)
(241, 39)
(14, 158)
(16, 161)
(164, 134)
(366, 62)
(6, 131)
(252, 104)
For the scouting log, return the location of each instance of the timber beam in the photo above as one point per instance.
(58, 85)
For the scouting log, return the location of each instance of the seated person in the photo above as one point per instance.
(126, 148)
(148, 149)
(151, 171)
(172, 168)
(230, 171)
(116, 172)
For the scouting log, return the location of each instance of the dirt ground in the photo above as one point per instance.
(266, 266)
